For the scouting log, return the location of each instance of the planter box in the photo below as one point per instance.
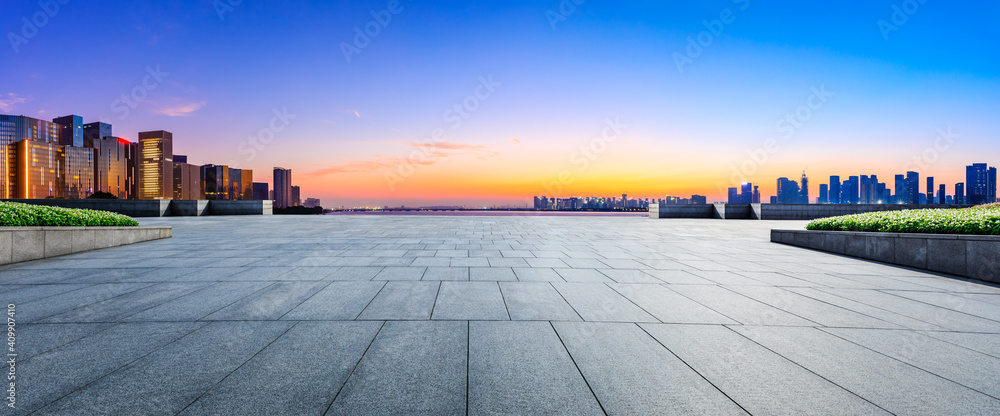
(19, 244)
(973, 256)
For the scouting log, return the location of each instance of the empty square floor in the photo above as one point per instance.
(313, 315)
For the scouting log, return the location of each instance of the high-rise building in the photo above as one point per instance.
(941, 194)
(38, 171)
(900, 195)
(912, 188)
(960, 193)
(835, 189)
(311, 203)
(70, 130)
(93, 132)
(850, 192)
(187, 181)
(746, 193)
(804, 198)
(930, 190)
(215, 181)
(699, 199)
(297, 200)
(282, 188)
(756, 195)
(734, 196)
(260, 191)
(78, 164)
(824, 193)
(115, 166)
(246, 180)
(980, 184)
(156, 169)
(788, 192)
(14, 129)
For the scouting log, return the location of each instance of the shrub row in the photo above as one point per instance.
(981, 220)
(13, 214)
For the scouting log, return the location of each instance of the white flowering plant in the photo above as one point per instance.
(979, 220)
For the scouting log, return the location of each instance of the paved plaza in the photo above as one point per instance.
(436, 315)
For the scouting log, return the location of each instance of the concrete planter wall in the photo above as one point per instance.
(19, 244)
(159, 208)
(973, 256)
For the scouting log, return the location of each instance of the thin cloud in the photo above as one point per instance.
(182, 110)
(515, 140)
(431, 154)
(8, 103)
(448, 146)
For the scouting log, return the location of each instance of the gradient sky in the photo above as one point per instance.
(363, 131)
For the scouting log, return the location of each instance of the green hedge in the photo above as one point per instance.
(981, 220)
(13, 214)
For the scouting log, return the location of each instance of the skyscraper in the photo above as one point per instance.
(912, 188)
(215, 181)
(824, 193)
(187, 181)
(115, 161)
(941, 194)
(260, 191)
(14, 129)
(930, 190)
(804, 197)
(156, 165)
(960, 193)
(850, 190)
(734, 196)
(297, 198)
(835, 189)
(900, 196)
(70, 130)
(93, 132)
(77, 172)
(788, 192)
(282, 187)
(980, 184)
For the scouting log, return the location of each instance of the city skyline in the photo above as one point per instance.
(529, 100)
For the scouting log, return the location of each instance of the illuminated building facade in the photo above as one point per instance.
(78, 171)
(215, 181)
(156, 169)
(37, 169)
(116, 163)
(187, 181)
(14, 129)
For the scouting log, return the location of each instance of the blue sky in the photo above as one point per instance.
(356, 124)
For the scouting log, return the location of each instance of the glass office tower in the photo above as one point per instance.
(156, 169)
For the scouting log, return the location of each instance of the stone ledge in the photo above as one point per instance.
(972, 256)
(19, 244)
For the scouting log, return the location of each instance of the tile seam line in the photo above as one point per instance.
(232, 303)
(92, 303)
(203, 325)
(370, 301)
(578, 370)
(944, 328)
(237, 368)
(692, 369)
(353, 369)
(310, 297)
(911, 364)
(888, 292)
(809, 370)
(862, 313)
